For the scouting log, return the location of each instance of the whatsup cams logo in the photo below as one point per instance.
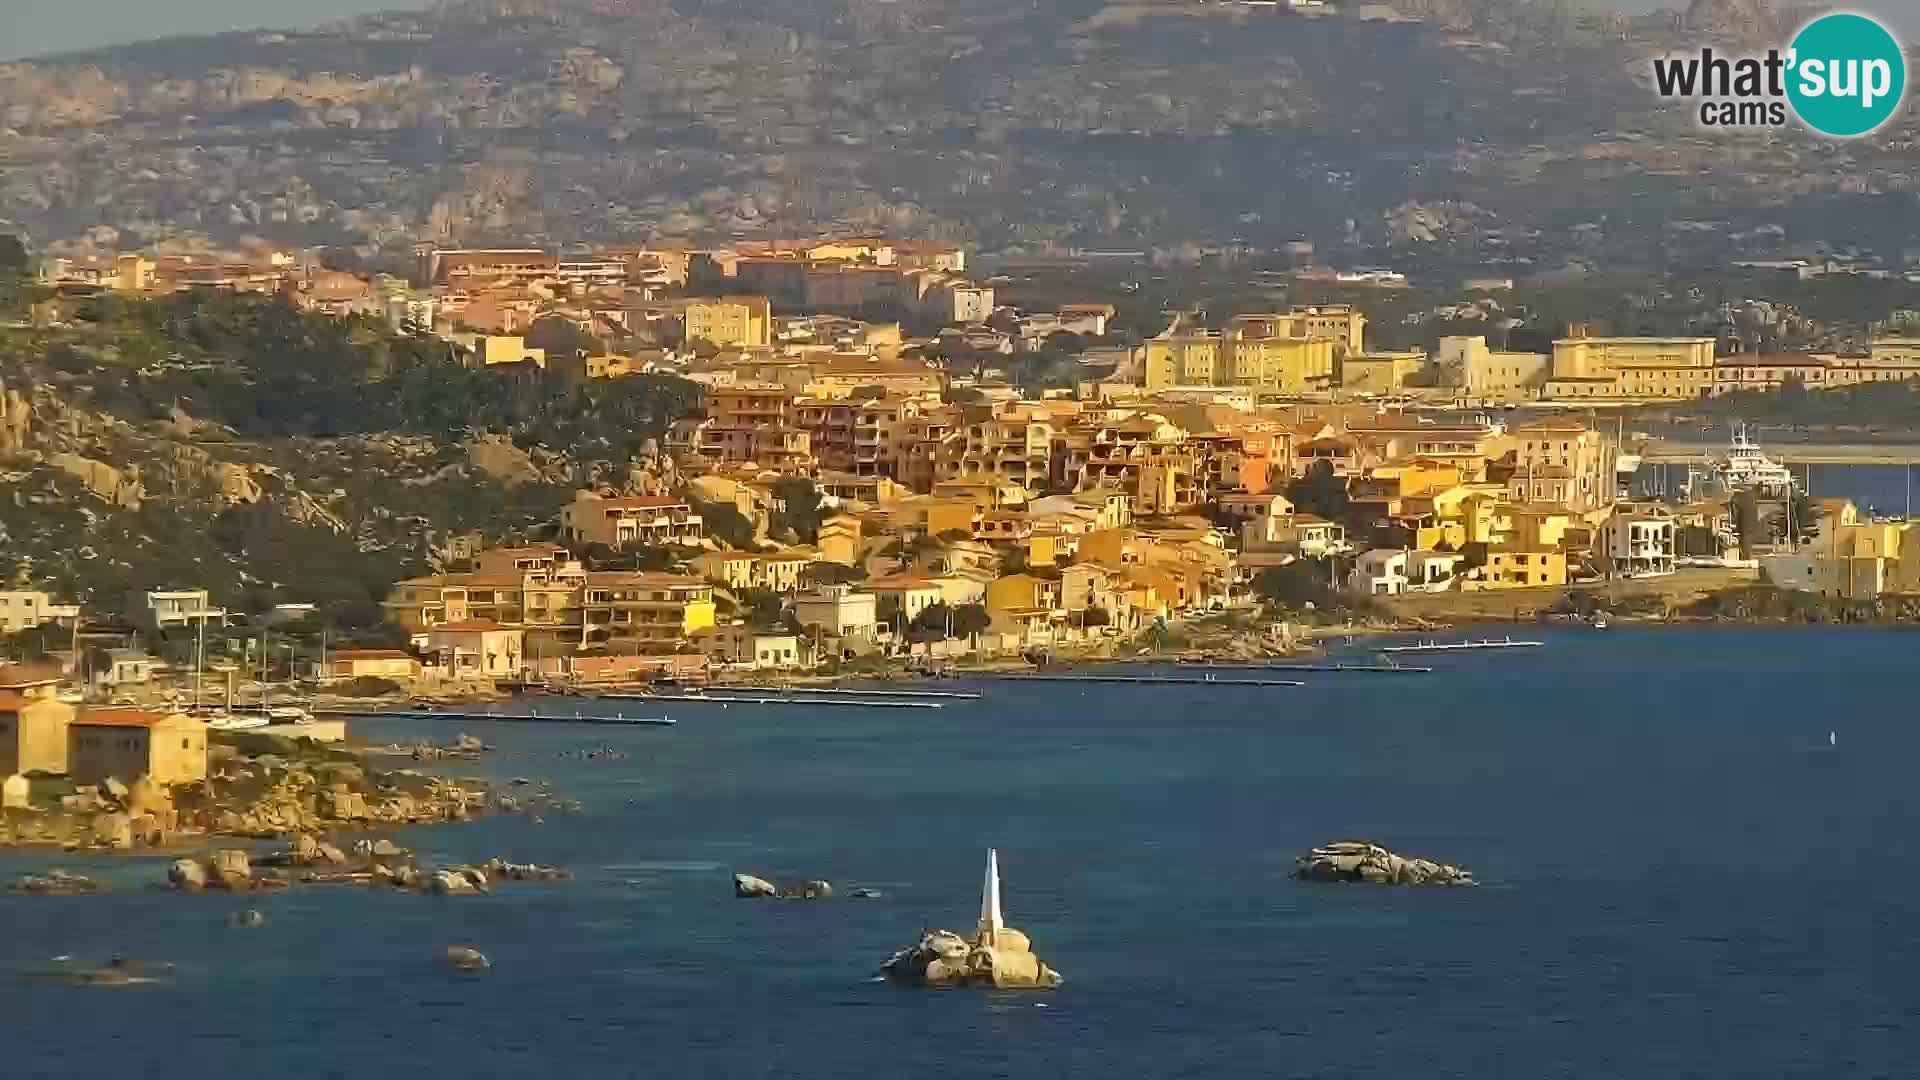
(1844, 75)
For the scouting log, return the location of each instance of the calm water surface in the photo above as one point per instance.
(1681, 879)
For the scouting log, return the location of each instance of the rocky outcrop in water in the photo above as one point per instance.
(944, 958)
(55, 883)
(998, 956)
(466, 958)
(1357, 860)
(749, 887)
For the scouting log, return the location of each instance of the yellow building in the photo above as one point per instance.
(372, 663)
(126, 744)
(1894, 350)
(1263, 353)
(1342, 324)
(658, 608)
(132, 273)
(1191, 359)
(729, 569)
(840, 539)
(730, 322)
(486, 350)
(1485, 373)
(33, 721)
(1516, 566)
(1632, 367)
(1381, 372)
(1022, 592)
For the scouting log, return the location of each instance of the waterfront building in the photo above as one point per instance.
(33, 721)
(1518, 566)
(126, 744)
(838, 610)
(393, 664)
(1638, 540)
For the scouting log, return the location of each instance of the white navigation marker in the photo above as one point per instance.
(991, 922)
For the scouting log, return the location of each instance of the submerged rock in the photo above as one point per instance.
(250, 919)
(54, 883)
(1358, 860)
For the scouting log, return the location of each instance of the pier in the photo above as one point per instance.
(506, 717)
(902, 693)
(1461, 646)
(721, 698)
(1148, 680)
(1350, 669)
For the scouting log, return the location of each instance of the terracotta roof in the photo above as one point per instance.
(11, 702)
(133, 718)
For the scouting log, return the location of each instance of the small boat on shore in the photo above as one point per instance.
(225, 721)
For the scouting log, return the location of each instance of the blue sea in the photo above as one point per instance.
(1681, 878)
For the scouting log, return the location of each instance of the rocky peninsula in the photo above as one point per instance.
(257, 787)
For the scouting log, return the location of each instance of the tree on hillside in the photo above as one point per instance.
(799, 509)
(13, 255)
(1321, 492)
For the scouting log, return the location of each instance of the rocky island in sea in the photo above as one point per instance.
(998, 956)
(1358, 860)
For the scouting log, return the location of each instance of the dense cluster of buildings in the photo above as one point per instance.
(956, 511)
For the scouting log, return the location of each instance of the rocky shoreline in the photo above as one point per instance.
(258, 787)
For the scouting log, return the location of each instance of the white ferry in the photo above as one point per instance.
(1747, 466)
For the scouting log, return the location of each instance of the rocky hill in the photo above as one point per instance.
(271, 456)
(1012, 124)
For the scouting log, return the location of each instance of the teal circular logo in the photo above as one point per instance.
(1846, 75)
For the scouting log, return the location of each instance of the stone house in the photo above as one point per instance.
(125, 744)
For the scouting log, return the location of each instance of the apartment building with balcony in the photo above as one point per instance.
(630, 520)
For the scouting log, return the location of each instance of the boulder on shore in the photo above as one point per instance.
(1358, 860)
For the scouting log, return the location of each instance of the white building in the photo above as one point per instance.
(1380, 572)
(1432, 571)
(1639, 541)
(163, 608)
(837, 610)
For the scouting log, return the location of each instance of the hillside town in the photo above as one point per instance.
(856, 489)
